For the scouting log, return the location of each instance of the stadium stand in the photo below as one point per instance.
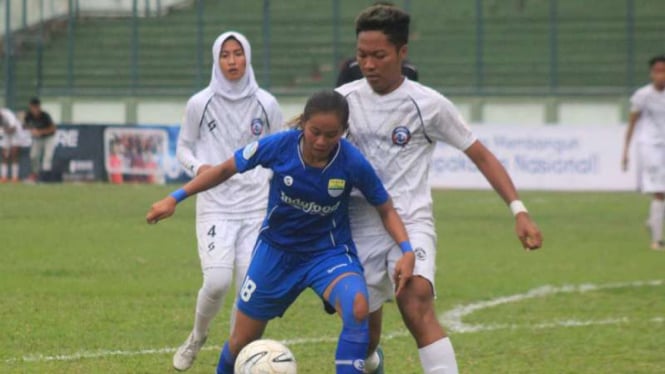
(591, 50)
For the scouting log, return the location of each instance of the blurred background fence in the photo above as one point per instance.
(161, 48)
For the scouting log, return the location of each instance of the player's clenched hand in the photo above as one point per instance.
(528, 233)
(404, 271)
(161, 210)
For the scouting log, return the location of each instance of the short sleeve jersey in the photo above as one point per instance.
(397, 133)
(650, 103)
(308, 206)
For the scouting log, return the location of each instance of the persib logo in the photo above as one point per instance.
(256, 126)
(401, 135)
(336, 187)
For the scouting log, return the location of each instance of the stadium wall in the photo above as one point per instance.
(538, 157)
(516, 110)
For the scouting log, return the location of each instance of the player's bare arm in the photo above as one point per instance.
(395, 227)
(527, 231)
(204, 181)
(632, 122)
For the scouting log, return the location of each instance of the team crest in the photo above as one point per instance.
(256, 126)
(288, 181)
(420, 253)
(336, 187)
(401, 136)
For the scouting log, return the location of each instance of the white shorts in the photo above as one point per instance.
(226, 243)
(20, 139)
(652, 167)
(379, 253)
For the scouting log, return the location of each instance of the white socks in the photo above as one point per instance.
(656, 213)
(4, 170)
(438, 358)
(216, 282)
(372, 362)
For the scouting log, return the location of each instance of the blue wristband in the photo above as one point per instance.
(179, 195)
(405, 246)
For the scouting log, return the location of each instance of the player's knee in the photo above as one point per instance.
(350, 295)
(418, 294)
(216, 282)
(360, 307)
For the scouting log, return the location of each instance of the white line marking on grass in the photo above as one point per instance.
(451, 319)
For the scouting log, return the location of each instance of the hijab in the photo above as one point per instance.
(232, 90)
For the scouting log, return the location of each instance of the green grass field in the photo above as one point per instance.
(87, 287)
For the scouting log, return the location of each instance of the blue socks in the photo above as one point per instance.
(352, 349)
(226, 361)
(354, 338)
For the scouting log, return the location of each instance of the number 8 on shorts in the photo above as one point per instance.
(248, 288)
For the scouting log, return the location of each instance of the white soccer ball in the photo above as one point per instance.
(265, 356)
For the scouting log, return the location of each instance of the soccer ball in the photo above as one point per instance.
(265, 357)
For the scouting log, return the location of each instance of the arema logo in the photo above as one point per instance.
(256, 126)
(336, 187)
(401, 136)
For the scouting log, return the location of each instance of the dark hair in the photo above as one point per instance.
(390, 20)
(325, 101)
(656, 59)
(35, 101)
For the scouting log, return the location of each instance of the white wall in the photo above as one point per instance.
(160, 112)
(584, 113)
(499, 111)
(513, 113)
(99, 112)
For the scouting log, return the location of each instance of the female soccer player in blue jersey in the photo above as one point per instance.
(305, 240)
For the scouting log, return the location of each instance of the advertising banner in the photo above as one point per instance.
(542, 158)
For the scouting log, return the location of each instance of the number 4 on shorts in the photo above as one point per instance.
(211, 232)
(248, 288)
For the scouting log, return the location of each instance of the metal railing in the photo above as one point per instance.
(464, 47)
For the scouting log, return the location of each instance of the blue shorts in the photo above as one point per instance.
(276, 277)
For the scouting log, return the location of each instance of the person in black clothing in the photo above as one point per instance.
(350, 72)
(42, 128)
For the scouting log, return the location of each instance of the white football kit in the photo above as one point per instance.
(19, 137)
(228, 216)
(397, 133)
(650, 103)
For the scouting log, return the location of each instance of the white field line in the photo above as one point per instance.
(451, 319)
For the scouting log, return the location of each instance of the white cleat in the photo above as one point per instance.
(184, 357)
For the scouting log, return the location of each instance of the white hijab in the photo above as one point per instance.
(233, 90)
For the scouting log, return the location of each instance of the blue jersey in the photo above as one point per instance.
(308, 206)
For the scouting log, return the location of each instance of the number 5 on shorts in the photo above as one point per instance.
(247, 289)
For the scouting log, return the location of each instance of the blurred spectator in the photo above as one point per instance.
(42, 128)
(12, 138)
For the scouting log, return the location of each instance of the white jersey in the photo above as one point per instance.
(213, 129)
(12, 133)
(650, 103)
(397, 133)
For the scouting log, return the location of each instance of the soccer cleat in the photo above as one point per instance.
(186, 354)
(658, 246)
